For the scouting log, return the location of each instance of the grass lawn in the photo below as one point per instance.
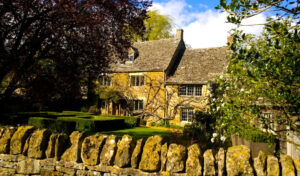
(140, 132)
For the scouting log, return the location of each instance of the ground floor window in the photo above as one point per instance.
(187, 114)
(138, 105)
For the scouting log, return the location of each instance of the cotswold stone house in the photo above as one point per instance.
(162, 80)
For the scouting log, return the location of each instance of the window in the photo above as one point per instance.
(131, 57)
(138, 105)
(190, 90)
(187, 115)
(136, 80)
(269, 120)
(105, 80)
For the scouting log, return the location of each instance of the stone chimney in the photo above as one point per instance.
(179, 34)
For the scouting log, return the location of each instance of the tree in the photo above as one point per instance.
(71, 40)
(157, 27)
(263, 74)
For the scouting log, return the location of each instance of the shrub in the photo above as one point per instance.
(94, 110)
(255, 135)
(84, 109)
(88, 124)
(55, 126)
(131, 122)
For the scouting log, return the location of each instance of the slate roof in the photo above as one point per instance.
(198, 66)
(151, 56)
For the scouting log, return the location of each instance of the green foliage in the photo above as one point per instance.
(255, 135)
(241, 9)
(84, 109)
(157, 27)
(113, 95)
(55, 126)
(263, 73)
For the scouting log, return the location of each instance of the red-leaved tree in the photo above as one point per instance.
(59, 44)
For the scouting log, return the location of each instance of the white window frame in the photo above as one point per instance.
(190, 90)
(189, 112)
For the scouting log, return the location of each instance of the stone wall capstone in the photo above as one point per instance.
(101, 155)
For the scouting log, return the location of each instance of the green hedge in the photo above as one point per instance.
(55, 126)
(88, 124)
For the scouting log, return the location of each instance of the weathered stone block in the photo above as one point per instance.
(237, 161)
(29, 166)
(193, 164)
(287, 166)
(46, 172)
(51, 146)
(38, 143)
(61, 142)
(136, 155)
(260, 163)
(68, 171)
(297, 165)
(18, 139)
(88, 173)
(73, 152)
(220, 158)
(209, 163)
(163, 157)
(176, 158)
(91, 148)
(272, 166)
(150, 160)
(7, 172)
(109, 150)
(6, 134)
(125, 148)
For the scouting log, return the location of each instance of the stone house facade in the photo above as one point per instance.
(162, 80)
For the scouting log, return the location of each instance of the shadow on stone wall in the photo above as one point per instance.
(29, 151)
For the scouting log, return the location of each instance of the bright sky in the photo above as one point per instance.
(203, 25)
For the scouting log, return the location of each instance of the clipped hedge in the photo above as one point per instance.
(88, 124)
(55, 126)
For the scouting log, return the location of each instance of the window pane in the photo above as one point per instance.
(142, 80)
(198, 90)
(182, 90)
(136, 105)
(132, 82)
(137, 81)
(141, 104)
(190, 115)
(190, 90)
(184, 115)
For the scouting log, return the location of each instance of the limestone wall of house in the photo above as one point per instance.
(152, 92)
(176, 102)
(29, 151)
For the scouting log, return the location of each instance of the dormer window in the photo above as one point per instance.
(131, 57)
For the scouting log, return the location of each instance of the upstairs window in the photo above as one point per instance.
(105, 80)
(138, 105)
(137, 80)
(190, 90)
(187, 114)
(131, 57)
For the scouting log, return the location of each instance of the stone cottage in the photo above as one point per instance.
(161, 80)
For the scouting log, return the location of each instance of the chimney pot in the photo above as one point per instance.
(179, 34)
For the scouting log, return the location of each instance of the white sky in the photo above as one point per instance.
(206, 28)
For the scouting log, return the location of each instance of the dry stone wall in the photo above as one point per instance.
(29, 151)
